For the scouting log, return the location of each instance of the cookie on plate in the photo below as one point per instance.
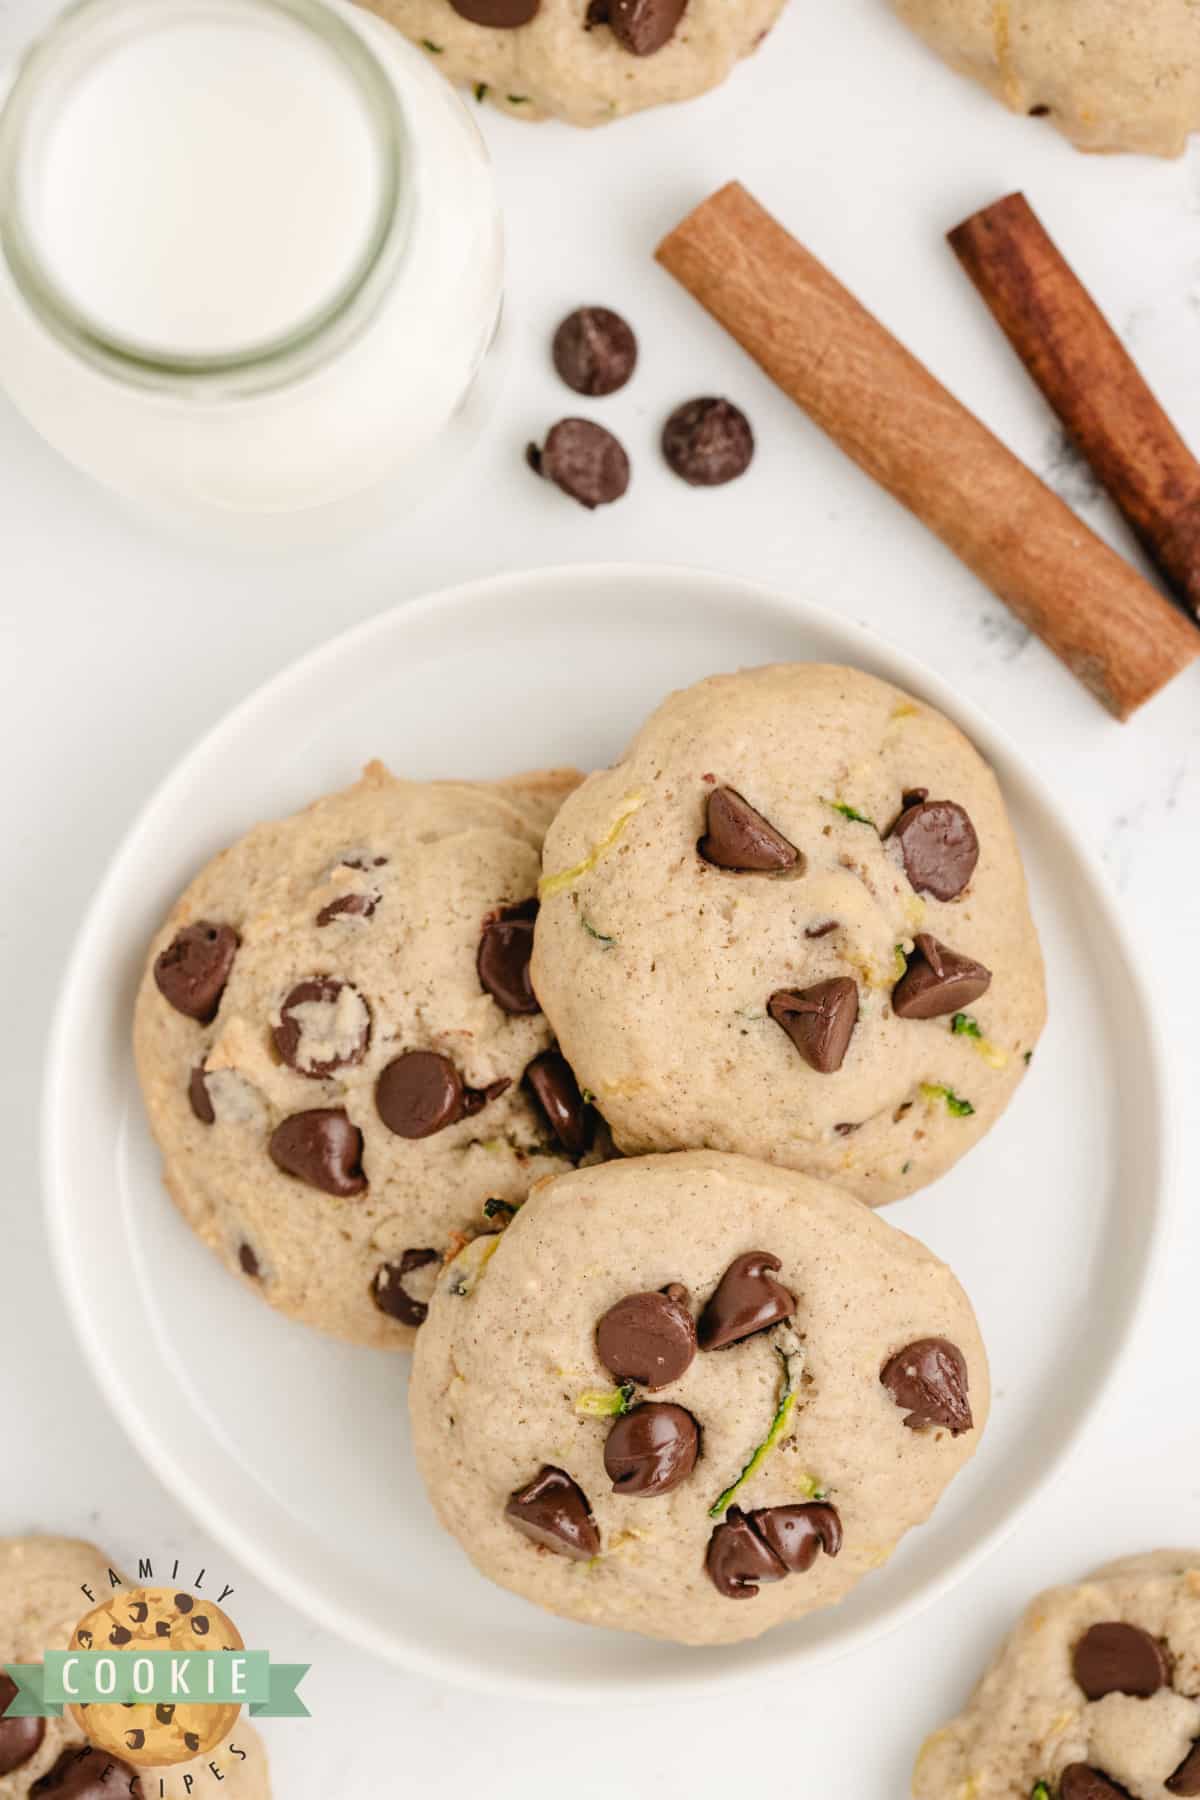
(586, 61)
(692, 1396)
(792, 923)
(1108, 76)
(1092, 1697)
(340, 1050)
(47, 1584)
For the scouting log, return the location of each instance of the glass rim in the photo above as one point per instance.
(269, 361)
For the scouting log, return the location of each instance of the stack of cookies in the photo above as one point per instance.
(578, 1087)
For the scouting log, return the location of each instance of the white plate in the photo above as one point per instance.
(292, 1448)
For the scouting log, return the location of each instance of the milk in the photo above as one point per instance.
(258, 262)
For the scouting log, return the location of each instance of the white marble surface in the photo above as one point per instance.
(120, 645)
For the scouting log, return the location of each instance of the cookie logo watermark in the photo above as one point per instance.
(156, 1676)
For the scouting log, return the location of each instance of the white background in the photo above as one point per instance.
(120, 646)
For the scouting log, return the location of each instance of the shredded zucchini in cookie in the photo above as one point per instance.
(790, 1351)
(851, 813)
(610, 1403)
(963, 1025)
(558, 883)
(962, 1109)
(465, 1279)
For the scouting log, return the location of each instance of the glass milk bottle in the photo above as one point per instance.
(251, 257)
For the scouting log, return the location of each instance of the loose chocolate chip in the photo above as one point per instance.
(739, 838)
(135, 1738)
(747, 1299)
(19, 1738)
(199, 1097)
(648, 1338)
(89, 1774)
(937, 981)
(584, 460)
(192, 971)
(737, 1558)
(248, 1260)
(641, 26)
(1185, 1780)
(938, 843)
(502, 962)
(354, 906)
(1079, 1782)
(1114, 1658)
(929, 1379)
(420, 1093)
(554, 1513)
(390, 1294)
(499, 15)
(322, 1148)
(820, 1020)
(594, 351)
(119, 1635)
(708, 442)
(164, 1712)
(556, 1091)
(797, 1534)
(651, 1449)
(184, 1603)
(324, 1025)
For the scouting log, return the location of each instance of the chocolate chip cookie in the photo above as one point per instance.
(1094, 1696)
(692, 1396)
(792, 923)
(341, 1051)
(586, 61)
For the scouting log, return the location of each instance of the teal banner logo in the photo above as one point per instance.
(186, 1677)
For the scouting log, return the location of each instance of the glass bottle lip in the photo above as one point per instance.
(257, 367)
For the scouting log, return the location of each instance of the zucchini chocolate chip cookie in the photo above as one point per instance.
(586, 61)
(341, 1052)
(792, 923)
(1094, 1696)
(738, 1389)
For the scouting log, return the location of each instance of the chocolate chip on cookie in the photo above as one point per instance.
(1186, 1779)
(651, 1449)
(192, 971)
(502, 962)
(737, 1559)
(798, 1534)
(929, 1379)
(322, 1148)
(554, 1513)
(938, 981)
(499, 15)
(199, 1097)
(746, 1300)
(820, 1020)
(1114, 1658)
(594, 351)
(584, 460)
(1079, 1781)
(324, 1025)
(390, 1294)
(248, 1261)
(738, 837)
(556, 1091)
(19, 1738)
(348, 906)
(708, 442)
(88, 1774)
(639, 26)
(938, 844)
(648, 1338)
(420, 1093)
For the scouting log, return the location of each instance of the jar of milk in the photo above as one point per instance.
(251, 256)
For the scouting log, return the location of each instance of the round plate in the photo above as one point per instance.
(293, 1448)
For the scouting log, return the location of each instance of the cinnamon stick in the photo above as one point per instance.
(1118, 634)
(1091, 381)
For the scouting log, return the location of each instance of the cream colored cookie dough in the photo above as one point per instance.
(558, 65)
(372, 903)
(508, 1382)
(657, 967)
(1108, 75)
(1029, 1721)
(47, 1584)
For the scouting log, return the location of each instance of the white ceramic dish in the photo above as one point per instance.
(292, 1449)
